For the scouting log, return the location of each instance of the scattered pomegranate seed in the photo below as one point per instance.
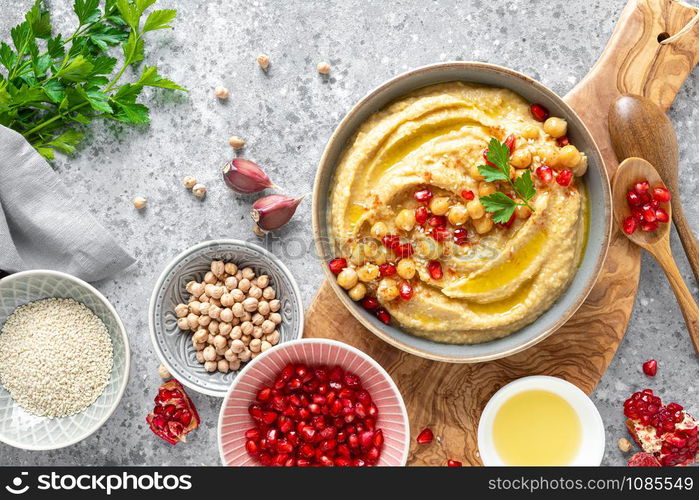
(630, 225)
(384, 316)
(649, 227)
(425, 436)
(562, 141)
(661, 194)
(391, 241)
(648, 213)
(539, 112)
(406, 291)
(440, 233)
(485, 158)
(641, 187)
(468, 195)
(423, 196)
(509, 222)
(661, 215)
(434, 267)
(387, 269)
(337, 265)
(545, 174)
(460, 236)
(404, 250)
(370, 303)
(633, 199)
(437, 221)
(564, 177)
(511, 143)
(421, 214)
(637, 213)
(650, 367)
(454, 463)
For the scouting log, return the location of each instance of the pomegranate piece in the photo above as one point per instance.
(562, 141)
(630, 225)
(641, 187)
(174, 414)
(460, 236)
(404, 250)
(337, 265)
(648, 213)
(539, 112)
(633, 199)
(650, 367)
(384, 316)
(387, 269)
(405, 290)
(545, 174)
(661, 215)
(511, 143)
(564, 177)
(370, 303)
(391, 241)
(643, 459)
(421, 214)
(423, 195)
(434, 267)
(485, 158)
(454, 463)
(661, 194)
(425, 436)
(331, 422)
(649, 227)
(440, 233)
(437, 221)
(468, 195)
(668, 433)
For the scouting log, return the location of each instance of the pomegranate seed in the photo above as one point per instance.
(637, 213)
(435, 269)
(391, 241)
(337, 265)
(387, 269)
(485, 158)
(661, 215)
(406, 291)
(453, 463)
(343, 462)
(440, 233)
(437, 221)
(633, 199)
(370, 303)
(661, 194)
(630, 225)
(404, 250)
(511, 143)
(423, 196)
(425, 436)
(460, 236)
(648, 213)
(641, 187)
(421, 214)
(468, 195)
(562, 141)
(252, 448)
(264, 394)
(539, 112)
(509, 222)
(564, 177)
(649, 227)
(545, 174)
(383, 315)
(650, 367)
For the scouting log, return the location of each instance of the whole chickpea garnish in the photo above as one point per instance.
(555, 127)
(387, 290)
(221, 92)
(139, 202)
(357, 292)
(405, 219)
(406, 268)
(438, 205)
(189, 181)
(483, 225)
(458, 215)
(347, 278)
(379, 230)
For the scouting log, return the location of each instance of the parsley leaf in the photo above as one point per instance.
(159, 19)
(500, 205)
(525, 186)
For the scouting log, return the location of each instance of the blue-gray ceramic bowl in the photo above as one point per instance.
(21, 429)
(174, 347)
(596, 180)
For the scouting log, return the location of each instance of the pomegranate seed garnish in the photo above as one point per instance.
(650, 367)
(539, 112)
(562, 141)
(637, 213)
(384, 316)
(421, 214)
(460, 236)
(633, 199)
(545, 174)
(630, 225)
(435, 269)
(661, 215)
(404, 250)
(387, 269)
(564, 177)
(454, 463)
(641, 187)
(440, 233)
(468, 195)
(406, 291)
(649, 227)
(337, 265)
(485, 158)
(391, 241)
(648, 213)
(437, 221)
(423, 196)
(425, 436)
(511, 143)
(370, 304)
(661, 194)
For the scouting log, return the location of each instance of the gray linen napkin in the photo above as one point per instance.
(40, 228)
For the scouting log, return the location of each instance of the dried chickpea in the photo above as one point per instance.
(210, 353)
(211, 366)
(347, 278)
(530, 132)
(189, 181)
(200, 357)
(438, 205)
(357, 292)
(209, 278)
(193, 321)
(214, 311)
(163, 372)
(257, 319)
(624, 445)
(214, 327)
(246, 327)
(226, 315)
(483, 225)
(181, 310)
(474, 172)
(555, 127)
(238, 310)
(231, 331)
(183, 324)
(220, 341)
(218, 268)
(194, 307)
(275, 317)
(199, 346)
(405, 219)
(275, 305)
(387, 290)
(486, 188)
(458, 215)
(200, 335)
(245, 356)
(521, 158)
(231, 283)
(204, 320)
(237, 346)
(255, 345)
(263, 308)
(379, 230)
(230, 268)
(222, 366)
(246, 339)
(238, 295)
(255, 291)
(244, 285)
(268, 326)
(250, 304)
(274, 337)
(204, 308)
(265, 346)
(263, 281)
(234, 365)
(569, 157)
(257, 332)
(248, 273)
(269, 293)
(227, 300)
(406, 268)
(368, 272)
(197, 290)
(475, 209)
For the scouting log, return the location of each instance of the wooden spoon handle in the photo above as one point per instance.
(689, 242)
(688, 306)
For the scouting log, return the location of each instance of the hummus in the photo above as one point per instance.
(465, 279)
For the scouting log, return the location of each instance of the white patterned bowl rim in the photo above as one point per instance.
(173, 347)
(19, 428)
(320, 341)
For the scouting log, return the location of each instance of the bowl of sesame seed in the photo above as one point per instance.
(64, 360)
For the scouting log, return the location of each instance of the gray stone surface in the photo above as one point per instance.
(286, 116)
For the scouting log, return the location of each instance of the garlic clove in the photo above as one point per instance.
(245, 176)
(273, 211)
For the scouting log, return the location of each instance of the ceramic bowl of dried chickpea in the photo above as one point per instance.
(218, 305)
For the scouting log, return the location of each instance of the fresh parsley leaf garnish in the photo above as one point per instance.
(498, 169)
(52, 83)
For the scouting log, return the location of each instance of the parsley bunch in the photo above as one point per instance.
(48, 91)
(499, 204)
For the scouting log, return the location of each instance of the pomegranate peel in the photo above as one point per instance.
(174, 415)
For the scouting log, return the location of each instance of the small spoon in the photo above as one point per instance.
(638, 127)
(656, 243)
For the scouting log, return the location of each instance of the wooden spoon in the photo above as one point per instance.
(639, 128)
(657, 243)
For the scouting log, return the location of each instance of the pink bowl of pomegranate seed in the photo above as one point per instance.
(313, 402)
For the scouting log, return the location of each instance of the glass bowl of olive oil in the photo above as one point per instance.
(541, 421)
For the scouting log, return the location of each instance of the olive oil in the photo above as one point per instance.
(537, 427)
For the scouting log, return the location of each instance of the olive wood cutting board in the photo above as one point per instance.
(448, 398)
